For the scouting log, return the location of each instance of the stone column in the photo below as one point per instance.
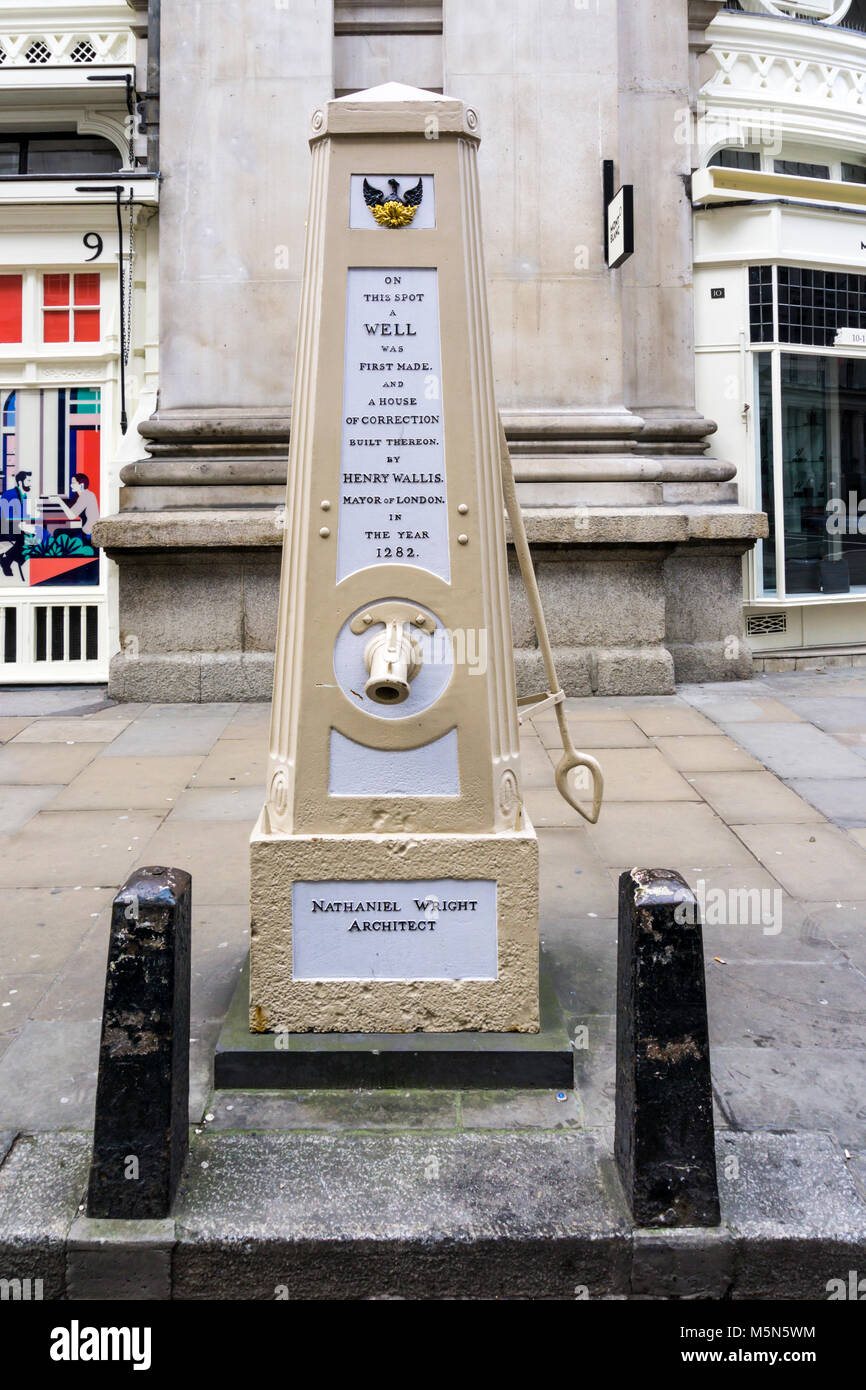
(195, 537)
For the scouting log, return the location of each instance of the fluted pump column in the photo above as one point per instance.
(394, 871)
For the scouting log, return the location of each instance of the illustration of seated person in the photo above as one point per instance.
(85, 509)
(16, 524)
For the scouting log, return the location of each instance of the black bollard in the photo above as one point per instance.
(141, 1132)
(665, 1144)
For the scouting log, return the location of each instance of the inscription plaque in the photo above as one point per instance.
(422, 929)
(393, 497)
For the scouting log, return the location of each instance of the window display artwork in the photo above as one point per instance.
(49, 500)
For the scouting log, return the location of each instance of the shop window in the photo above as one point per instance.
(736, 159)
(761, 303)
(61, 152)
(813, 305)
(10, 308)
(823, 467)
(801, 170)
(74, 319)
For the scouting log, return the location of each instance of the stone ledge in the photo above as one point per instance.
(480, 1214)
(233, 528)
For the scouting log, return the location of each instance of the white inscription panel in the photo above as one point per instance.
(422, 929)
(393, 503)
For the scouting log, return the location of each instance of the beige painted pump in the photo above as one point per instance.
(394, 869)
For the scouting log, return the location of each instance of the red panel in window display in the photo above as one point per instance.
(55, 326)
(10, 308)
(86, 325)
(86, 289)
(55, 289)
(86, 444)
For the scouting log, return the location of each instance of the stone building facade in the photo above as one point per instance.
(638, 535)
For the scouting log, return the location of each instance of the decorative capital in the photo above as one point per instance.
(394, 109)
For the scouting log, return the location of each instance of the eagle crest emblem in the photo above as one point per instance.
(393, 210)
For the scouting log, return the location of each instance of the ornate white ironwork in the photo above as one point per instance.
(825, 11)
(38, 49)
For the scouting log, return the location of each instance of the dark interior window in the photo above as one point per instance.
(736, 159)
(854, 173)
(801, 170)
(57, 153)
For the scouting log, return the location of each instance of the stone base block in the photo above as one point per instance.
(191, 677)
(279, 1002)
(712, 661)
(635, 671)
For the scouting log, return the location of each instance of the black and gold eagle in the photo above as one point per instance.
(393, 211)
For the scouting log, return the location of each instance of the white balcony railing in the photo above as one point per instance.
(842, 12)
(35, 49)
(807, 80)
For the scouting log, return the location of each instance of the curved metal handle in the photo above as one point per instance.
(567, 764)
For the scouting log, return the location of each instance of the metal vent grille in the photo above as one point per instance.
(763, 623)
(83, 52)
(42, 641)
(38, 52)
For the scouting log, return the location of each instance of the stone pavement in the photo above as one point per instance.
(755, 791)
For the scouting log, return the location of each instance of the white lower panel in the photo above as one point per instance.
(418, 929)
(431, 770)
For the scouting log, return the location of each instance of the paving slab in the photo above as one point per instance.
(78, 991)
(841, 801)
(753, 797)
(216, 853)
(91, 730)
(167, 737)
(10, 727)
(575, 887)
(797, 750)
(548, 809)
(673, 720)
(768, 1004)
(52, 763)
(739, 709)
(167, 712)
(19, 996)
(129, 784)
(705, 753)
(64, 700)
(41, 927)
(595, 733)
(48, 1076)
(810, 861)
(793, 1088)
(683, 835)
(235, 762)
(19, 803)
(643, 774)
(845, 925)
(252, 721)
(830, 712)
(104, 849)
(221, 803)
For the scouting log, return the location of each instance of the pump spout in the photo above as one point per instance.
(393, 660)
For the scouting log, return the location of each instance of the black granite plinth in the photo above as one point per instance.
(141, 1131)
(348, 1061)
(665, 1147)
